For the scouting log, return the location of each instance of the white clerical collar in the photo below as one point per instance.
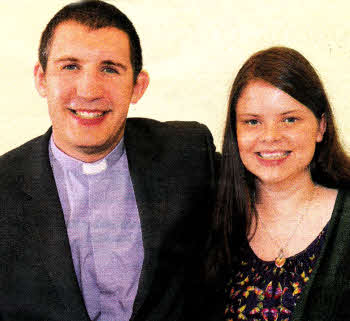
(94, 168)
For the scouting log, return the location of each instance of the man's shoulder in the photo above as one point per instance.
(176, 144)
(14, 162)
(168, 130)
(19, 154)
(165, 125)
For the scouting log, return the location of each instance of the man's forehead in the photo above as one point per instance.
(70, 36)
(108, 31)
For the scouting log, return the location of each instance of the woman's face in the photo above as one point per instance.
(276, 134)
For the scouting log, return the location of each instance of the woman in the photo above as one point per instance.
(282, 220)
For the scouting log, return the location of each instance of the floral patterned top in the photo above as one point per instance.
(264, 291)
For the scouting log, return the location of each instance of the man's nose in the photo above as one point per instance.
(89, 85)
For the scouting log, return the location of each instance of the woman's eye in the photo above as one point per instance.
(251, 122)
(290, 120)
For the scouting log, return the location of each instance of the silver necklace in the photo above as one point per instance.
(280, 260)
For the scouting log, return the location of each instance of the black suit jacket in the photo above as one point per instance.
(172, 170)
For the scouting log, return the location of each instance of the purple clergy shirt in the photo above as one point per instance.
(104, 230)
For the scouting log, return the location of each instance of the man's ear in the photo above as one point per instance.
(322, 128)
(40, 80)
(140, 86)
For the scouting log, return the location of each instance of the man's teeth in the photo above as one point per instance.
(89, 114)
(273, 155)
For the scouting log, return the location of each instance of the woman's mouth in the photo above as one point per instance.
(276, 155)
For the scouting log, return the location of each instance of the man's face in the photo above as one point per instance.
(89, 86)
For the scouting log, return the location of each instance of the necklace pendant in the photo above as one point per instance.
(279, 262)
(280, 259)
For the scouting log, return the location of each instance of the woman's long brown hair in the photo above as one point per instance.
(291, 72)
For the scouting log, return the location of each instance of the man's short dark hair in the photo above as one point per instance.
(94, 14)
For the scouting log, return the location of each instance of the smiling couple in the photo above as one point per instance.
(106, 217)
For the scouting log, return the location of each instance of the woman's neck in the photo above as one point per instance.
(281, 200)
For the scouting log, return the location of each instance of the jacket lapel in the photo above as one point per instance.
(150, 187)
(43, 212)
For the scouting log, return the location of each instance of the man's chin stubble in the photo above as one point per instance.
(102, 149)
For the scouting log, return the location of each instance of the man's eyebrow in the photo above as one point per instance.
(113, 63)
(248, 114)
(63, 59)
(104, 62)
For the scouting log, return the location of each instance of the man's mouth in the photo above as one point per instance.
(273, 155)
(88, 114)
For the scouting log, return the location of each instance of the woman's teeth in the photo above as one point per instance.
(273, 155)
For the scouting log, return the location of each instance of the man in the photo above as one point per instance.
(95, 214)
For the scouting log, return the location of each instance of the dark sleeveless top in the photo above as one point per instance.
(261, 290)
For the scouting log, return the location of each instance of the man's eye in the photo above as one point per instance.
(70, 67)
(110, 70)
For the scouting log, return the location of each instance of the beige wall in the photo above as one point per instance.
(192, 50)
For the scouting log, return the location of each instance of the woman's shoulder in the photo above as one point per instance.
(341, 209)
(344, 195)
(333, 196)
(346, 192)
